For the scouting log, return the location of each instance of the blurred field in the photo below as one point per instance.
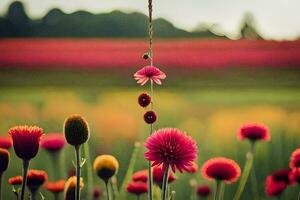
(210, 104)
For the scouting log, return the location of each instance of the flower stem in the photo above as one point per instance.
(32, 195)
(150, 31)
(77, 190)
(138, 197)
(1, 186)
(165, 183)
(218, 190)
(299, 195)
(107, 190)
(25, 170)
(245, 175)
(56, 196)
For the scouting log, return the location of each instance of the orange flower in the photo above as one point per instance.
(17, 180)
(55, 187)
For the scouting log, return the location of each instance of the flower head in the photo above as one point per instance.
(137, 188)
(76, 130)
(53, 142)
(158, 175)
(295, 175)
(26, 140)
(55, 187)
(254, 132)
(203, 190)
(171, 146)
(15, 181)
(106, 166)
(96, 193)
(4, 160)
(295, 159)
(70, 186)
(35, 179)
(222, 169)
(150, 117)
(144, 100)
(282, 175)
(5, 142)
(192, 169)
(141, 175)
(274, 188)
(149, 73)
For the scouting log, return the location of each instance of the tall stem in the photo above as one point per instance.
(107, 190)
(150, 179)
(150, 31)
(245, 175)
(56, 196)
(1, 186)
(77, 190)
(25, 170)
(218, 190)
(299, 195)
(33, 195)
(165, 183)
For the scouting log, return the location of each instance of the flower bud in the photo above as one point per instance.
(76, 130)
(4, 160)
(150, 117)
(144, 100)
(145, 56)
(106, 166)
(70, 186)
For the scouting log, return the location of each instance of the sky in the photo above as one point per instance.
(275, 19)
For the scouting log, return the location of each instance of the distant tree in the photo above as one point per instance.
(249, 28)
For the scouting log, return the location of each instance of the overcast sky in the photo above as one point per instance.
(277, 19)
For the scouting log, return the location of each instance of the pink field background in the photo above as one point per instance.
(125, 53)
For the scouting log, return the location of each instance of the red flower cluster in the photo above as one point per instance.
(53, 142)
(254, 132)
(221, 169)
(171, 146)
(17, 180)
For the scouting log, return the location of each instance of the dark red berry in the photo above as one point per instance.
(144, 100)
(145, 56)
(150, 117)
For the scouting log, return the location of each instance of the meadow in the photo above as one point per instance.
(210, 101)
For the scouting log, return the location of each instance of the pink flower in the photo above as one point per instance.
(137, 188)
(149, 72)
(192, 169)
(295, 159)
(254, 132)
(158, 175)
(171, 147)
(53, 142)
(5, 142)
(273, 187)
(26, 140)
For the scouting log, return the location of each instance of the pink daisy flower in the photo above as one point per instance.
(171, 147)
(149, 73)
(53, 142)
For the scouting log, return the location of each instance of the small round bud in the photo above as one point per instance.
(106, 166)
(70, 185)
(150, 117)
(145, 56)
(144, 100)
(4, 160)
(76, 130)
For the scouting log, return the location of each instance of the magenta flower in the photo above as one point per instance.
(254, 132)
(53, 142)
(171, 147)
(149, 73)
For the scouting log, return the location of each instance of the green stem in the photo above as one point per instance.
(56, 196)
(25, 170)
(222, 191)
(77, 190)
(245, 175)
(114, 187)
(255, 192)
(32, 195)
(165, 183)
(173, 194)
(299, 195)
(150, 29)
(218, 190)
(107, 190)
(88, 168)
(138, 197)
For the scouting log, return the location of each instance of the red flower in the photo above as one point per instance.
(144, 100)
(283, 175)
(5, 142)
(171, 146)
(96, 193)
(274, 188)
(149, 72)
(203, 190)
(55, 187)
(254, 132)
(158, 175)
(137, 188)
(192, 169)
(150, 117)
(4, 160)
(53, 141)
(17, 180)
(295, 159)
(26, 140)
(35, 179)
(295, 175)
(222, 169)
(141, 175)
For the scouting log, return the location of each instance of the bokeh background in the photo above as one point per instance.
(227, 63)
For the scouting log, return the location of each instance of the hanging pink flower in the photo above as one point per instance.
(171, 147)
(149, 73)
